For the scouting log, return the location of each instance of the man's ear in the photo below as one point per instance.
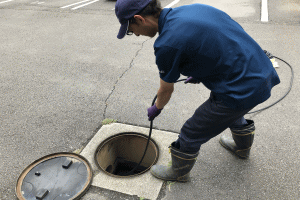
(139, 19)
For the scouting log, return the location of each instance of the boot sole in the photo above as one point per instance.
(231, 151)
(183, 181)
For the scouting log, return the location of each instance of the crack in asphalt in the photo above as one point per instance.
(114, 87)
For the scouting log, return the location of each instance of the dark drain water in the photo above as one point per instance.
(123, 166)
(119, 154)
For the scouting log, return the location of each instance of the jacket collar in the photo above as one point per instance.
(161, 20)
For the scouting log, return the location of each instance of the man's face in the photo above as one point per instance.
(142, 26)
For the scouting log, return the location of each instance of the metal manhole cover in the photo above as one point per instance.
(58, 176)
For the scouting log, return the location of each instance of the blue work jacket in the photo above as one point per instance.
(203, 42)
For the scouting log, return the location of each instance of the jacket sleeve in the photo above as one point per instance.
(169, 61)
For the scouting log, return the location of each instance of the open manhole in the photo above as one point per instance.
(119, 154)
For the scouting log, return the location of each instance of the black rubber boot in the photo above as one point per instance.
(241, 141)
(182, 164)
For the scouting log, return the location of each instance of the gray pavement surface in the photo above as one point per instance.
(63, 72)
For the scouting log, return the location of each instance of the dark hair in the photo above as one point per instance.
(153, 8)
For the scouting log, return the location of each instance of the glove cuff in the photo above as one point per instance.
(157, 108)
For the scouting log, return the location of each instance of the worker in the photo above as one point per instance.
(209, 47)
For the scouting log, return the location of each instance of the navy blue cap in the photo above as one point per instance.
(126, 9)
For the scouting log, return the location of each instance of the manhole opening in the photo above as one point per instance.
(119, 154)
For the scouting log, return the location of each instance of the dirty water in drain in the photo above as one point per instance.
(123, 166)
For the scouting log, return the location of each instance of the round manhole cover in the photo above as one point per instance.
(119, 154)
(58, 176)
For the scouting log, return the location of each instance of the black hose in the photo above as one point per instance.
(131, 172)
(151, 122)
(291, 84)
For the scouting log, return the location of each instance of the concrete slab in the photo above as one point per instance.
(144, 185)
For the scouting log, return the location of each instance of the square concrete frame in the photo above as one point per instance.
(144, 185)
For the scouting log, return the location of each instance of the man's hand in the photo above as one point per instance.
(192, 80)
(153, 112)
(163, 96)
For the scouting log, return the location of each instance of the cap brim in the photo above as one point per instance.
(123, 30)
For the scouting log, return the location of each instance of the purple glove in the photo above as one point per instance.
(153, 112)
(192, 80)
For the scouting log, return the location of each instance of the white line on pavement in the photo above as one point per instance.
(5, 1)
(74, 4)
(172, 4)
(264, 11)
(84, 4)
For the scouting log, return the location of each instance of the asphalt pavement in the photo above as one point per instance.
(63, 72)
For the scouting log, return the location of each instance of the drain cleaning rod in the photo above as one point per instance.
(149, 137)
(151, 122)
(131, 172)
